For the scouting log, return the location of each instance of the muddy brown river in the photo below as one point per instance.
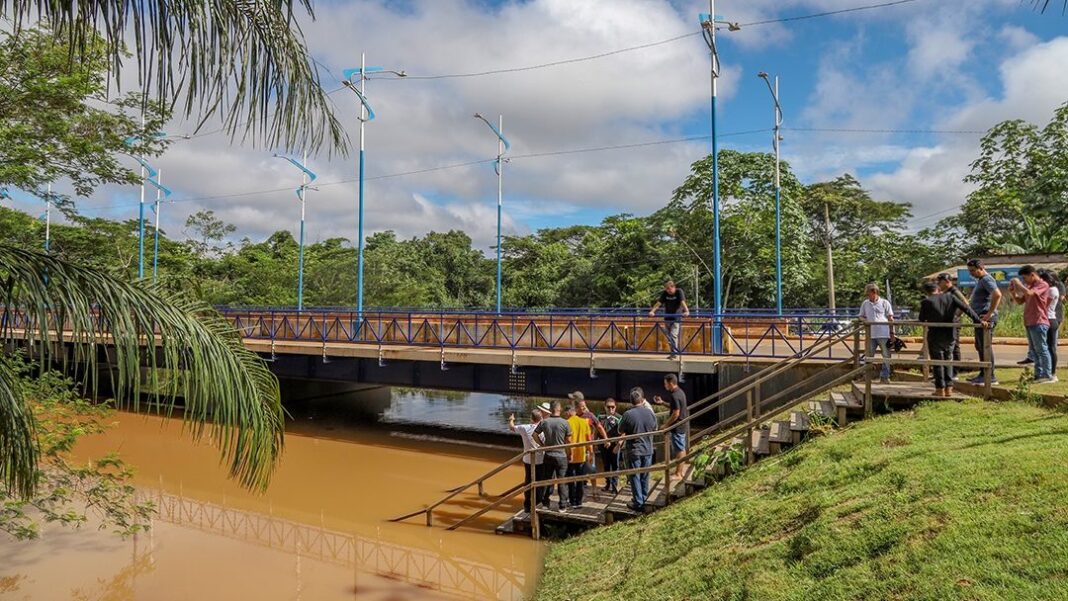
(319, 533)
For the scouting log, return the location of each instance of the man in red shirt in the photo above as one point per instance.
(1032, 293)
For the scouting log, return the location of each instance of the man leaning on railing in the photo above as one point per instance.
(940, 309)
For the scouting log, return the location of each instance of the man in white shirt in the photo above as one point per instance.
(526, 432)
(878, 312)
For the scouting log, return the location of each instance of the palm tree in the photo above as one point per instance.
(1042, 5)
(229, 394)
(244, 61)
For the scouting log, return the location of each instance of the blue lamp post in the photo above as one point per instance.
(502, 146)
(708, 29)
(151, 173)
(775, 140)
(306, 177)
(48, 219)
(162, 193)
(359, 86)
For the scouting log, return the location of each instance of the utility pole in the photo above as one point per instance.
(830, 256)
(776, 139)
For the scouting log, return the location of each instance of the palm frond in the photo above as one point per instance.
(18, 448)
(164, 348)
(242, 60)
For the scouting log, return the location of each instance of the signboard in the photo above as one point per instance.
(1001, 275)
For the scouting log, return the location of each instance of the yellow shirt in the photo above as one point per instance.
(580, 432)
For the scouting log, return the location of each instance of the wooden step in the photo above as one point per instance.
(759, 442)
(780, 432)
(824, 408)
(846, 399)
(799, 425)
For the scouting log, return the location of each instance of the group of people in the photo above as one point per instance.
(624, 441)
(1038, 290)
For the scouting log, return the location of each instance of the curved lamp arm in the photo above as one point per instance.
(166, 191)
(495, 131)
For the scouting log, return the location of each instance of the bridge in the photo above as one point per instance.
(604, 352)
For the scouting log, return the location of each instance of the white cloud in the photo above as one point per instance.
(930, 177)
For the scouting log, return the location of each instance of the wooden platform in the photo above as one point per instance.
(902, 392)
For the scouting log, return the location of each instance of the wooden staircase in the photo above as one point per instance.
(832, 397)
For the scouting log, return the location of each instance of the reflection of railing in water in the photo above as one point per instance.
(421, 568)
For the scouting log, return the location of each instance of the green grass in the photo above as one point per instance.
(951, 501)
(1008, 377)
(1010, 322)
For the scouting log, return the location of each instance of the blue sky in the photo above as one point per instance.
(928, 64)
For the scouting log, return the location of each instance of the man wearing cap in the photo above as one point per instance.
(526, 432)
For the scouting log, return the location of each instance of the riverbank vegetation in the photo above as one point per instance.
(950, 501)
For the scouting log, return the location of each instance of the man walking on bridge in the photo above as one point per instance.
(639, 419)
(672, 298)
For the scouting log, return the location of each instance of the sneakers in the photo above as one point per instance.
(633, 507)
(1049, 380)
(978, 380)
(672, 357)
(884, 380)
(1025, 361)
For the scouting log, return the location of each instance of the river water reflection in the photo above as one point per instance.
(319, 532)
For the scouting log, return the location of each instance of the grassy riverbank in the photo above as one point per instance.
(951, 501)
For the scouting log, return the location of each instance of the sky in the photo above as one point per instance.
(944, 65)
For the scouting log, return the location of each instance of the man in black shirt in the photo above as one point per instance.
(677, 411)
(942, 308)
(672, 298)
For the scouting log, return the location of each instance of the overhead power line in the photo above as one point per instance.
(886, 131)
(830, 13)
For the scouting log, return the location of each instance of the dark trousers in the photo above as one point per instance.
(575, 490)
(955, 352)
(539, 471)
(553, 466)
(980, 344)
(610, 463)
(1051, 342)
(943, 374)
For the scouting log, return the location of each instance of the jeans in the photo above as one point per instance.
(980, 343)
(610, 463)
(1051, 343)
(540, 472)
(575, 490)
(1036, 343)
(883, 343)
(673, 327)
(639, 483)
(554, 466)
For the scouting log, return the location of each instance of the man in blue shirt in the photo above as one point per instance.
(986, 296)
(639, 419)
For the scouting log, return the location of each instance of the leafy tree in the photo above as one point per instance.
(747, 226)
(51, 126)
(245, 62)
(206, 232)
(1021, 198)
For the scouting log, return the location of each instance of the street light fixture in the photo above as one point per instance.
(775, 140)
(147, 175)
(366, 114)
(502, 146)
(709, 21)
(306, 177)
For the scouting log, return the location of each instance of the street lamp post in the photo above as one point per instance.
(366, 114)
(147, 175)
(776, 139)
(708, 29)
(48, 219)
(306, 177)
(162, 192)
(502, 146)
